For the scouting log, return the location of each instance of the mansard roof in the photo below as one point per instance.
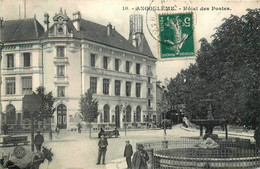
(31, 29)
(21, 30)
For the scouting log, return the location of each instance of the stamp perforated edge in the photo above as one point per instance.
(158, 42)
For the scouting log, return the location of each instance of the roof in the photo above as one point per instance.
(31, 29)
(98, 33)
(21, 30)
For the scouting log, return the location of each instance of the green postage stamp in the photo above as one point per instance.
(176, 35)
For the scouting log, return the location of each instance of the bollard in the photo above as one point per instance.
(165, 144)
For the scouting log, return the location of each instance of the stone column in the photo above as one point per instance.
(100, 86)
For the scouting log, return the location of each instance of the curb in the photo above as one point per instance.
(232, 134)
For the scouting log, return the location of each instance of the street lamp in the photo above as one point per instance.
(1, 48)
(124, 112)
(165, 107)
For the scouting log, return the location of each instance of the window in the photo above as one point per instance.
(10, 85)
(117, 64)
(149, 91)
(138, 68)
(92, 60)
(27, 85)
(10, 60)
(128, 88)
(138, 114)
(61, 70)
(149, 80)
(127, 66)
(60, 51)
(93, 85)
(106, 114)
(26, 59)
(128, 114)
(138, 89)
(105, 62)
(61, 91)
(149, 102)
(117, 87)
(106, 86)
(10, 114)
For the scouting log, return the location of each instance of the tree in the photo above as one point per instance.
(88, 109)
(38, 107)
(228, 69)
(46, 109)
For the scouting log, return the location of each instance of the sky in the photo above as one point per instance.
(112, 11)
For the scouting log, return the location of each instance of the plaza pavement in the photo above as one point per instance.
(76, 151)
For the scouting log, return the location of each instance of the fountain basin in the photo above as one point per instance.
(206, 158)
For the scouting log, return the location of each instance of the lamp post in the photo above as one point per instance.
(1, 48)
(124, 112)
(165, 106)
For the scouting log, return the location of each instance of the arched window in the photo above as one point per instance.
(128, 114)
(10, 114)
(106, 114)
(138, 114)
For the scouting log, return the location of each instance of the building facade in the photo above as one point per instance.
(72, 56)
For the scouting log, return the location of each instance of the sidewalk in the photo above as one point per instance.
(117, 164)
(249, 134)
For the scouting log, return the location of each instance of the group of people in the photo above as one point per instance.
(139, 160)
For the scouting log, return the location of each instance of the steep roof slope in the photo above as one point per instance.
(21, 30)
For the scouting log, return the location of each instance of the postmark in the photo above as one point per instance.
(176, 35)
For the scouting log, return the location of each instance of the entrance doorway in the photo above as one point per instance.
(117, 119)
(62, 116)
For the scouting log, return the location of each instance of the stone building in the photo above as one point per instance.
(72, 56)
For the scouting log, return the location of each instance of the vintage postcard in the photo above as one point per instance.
(137, 84)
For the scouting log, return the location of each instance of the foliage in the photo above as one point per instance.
(88, 107)
(46, 109)
(227, 70)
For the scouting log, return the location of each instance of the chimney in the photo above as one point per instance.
(76, 20)
(109, 29)
(46, 21)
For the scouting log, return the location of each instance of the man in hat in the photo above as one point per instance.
(128, 153)
(38, 140)
(102, 148)
(140, 158)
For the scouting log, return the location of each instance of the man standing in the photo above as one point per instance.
(140, 158)
(102, 144)
(79, 128)
(38, 140)
(128, 153)
(5, 128)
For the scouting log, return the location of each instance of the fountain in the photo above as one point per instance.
(209, 123)
(187, 152)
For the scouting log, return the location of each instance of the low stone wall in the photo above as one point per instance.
(167, 162)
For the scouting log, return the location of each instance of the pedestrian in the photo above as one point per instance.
(79, 128)
(102, 148)
(140, 158)
(128, 154)
(57, 132)
(5, 128)
(101, 132)
(38, 140)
